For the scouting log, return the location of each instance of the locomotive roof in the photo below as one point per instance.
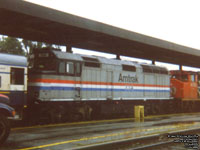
(182, 72)
(68, 56)
(10, 59)
(103, 60)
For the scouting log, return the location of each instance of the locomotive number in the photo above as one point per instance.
(129, 87)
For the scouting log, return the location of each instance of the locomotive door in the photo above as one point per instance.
(77, 88)
(109, 86)
(77, 81)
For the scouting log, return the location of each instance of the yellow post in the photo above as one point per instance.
(139, 113)
(142, 113)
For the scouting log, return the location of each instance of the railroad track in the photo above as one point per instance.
(161, 141)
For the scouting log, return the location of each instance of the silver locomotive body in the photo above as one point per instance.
(60, 76)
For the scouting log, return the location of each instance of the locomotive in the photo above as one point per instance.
(64, 86)
(67, 85)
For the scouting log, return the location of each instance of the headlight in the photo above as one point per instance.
(13, 113)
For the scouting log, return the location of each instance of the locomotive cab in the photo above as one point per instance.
(42, 60)
(184, 85)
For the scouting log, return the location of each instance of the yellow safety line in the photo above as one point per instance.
(170, 115)
(99, 121)
(114, 134)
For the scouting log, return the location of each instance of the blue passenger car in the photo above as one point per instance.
(13, 80)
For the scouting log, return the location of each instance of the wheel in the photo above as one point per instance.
(4, 128)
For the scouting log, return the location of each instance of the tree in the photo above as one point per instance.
(21, 47)
(30, 45)
(11, 45)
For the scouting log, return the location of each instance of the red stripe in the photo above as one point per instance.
(92, 82)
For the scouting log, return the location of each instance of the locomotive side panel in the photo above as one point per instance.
(166, 82)
(156, 82)
(58, 88)
(149, 89)
(90, 89)
(140, 77)
(102, 85)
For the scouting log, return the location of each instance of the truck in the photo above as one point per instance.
(6, 113)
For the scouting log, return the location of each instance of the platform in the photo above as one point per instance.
(83, 134)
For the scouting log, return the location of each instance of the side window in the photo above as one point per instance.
(62, 67)
(17, 76)
(70, 68)
(78, 69)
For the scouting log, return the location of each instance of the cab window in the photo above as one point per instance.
(70, 68)
(182, 77)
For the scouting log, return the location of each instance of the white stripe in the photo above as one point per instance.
(119, 98)
(99, 86)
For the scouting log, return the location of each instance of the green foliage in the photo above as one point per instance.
(29, 45)
(11, 45)
(20, 47)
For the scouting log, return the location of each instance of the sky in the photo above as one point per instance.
(176, 21)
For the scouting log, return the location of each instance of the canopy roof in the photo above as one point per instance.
(38, 23)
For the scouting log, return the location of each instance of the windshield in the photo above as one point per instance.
(182, 77)
(44, 64)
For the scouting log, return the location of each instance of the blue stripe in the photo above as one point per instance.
(94, 89)
(9, 73)
(13, 65)
(4, 72)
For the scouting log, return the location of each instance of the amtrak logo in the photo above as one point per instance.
(128, 78)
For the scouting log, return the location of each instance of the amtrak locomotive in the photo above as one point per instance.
(90, 85)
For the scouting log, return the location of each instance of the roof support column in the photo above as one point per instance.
(69, 48)
(118, 56)
(180, 67)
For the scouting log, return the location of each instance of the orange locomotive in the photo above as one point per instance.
(184, 85)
